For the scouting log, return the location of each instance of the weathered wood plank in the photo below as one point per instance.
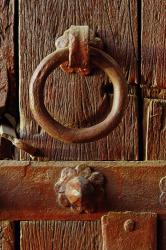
(27, 189)
(7, 68)
(7, 235)
(7, 56)
(73, 100)
(7, 98)
(154, 43)
(139, 235)
(47, 235)
(4, 86)
(154, 129)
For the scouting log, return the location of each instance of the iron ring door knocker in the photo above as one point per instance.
(74, 135)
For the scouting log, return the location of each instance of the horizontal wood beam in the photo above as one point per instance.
(27, 189)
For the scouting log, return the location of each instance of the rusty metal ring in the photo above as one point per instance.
(74, 135)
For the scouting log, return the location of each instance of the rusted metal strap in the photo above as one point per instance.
(128, 186)
(78, 39)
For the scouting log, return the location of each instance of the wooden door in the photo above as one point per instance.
(134, 34)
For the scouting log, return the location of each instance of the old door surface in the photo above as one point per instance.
(134, 34)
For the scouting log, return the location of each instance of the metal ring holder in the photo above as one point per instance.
(53, 127)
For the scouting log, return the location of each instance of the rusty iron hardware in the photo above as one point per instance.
(123, 230)
(162, 186)
(99, 59)
(78, 38)
(7, 131)
(129, 225)
(81, 189)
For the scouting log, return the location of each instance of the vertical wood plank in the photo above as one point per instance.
(73, 100)
(7, 97)
(8, 91)
(154, 43)
(76, 101)
(154, 78)
(154, 129)
(7, 56)
(58, 235)
(7, 236)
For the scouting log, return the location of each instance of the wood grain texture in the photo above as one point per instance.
(73, 100)
(7, 68)
(4, 86)
(7, 56)
(7, 235)
(154, 129)
(7, 97)
(27, 189)
(48, 235)
(154, 43)
(142, 237)
(153, 93)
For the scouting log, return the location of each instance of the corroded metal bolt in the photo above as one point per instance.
(129, 225)
(80, 188)
(80, 193)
